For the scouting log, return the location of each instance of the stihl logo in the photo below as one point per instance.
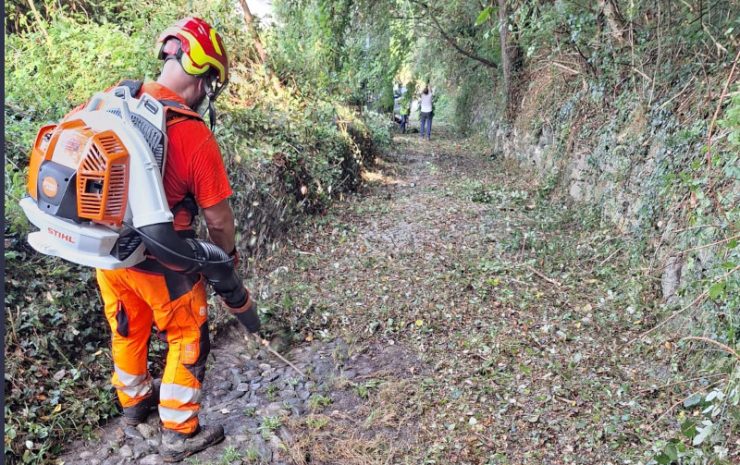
(60, 235)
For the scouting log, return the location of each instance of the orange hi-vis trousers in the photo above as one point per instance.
(176, 303)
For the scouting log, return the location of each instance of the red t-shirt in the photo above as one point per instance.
(194, 164)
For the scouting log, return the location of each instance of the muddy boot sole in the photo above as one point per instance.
(194, 445)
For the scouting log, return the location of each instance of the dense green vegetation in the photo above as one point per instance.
(289, 151)
(630, 110)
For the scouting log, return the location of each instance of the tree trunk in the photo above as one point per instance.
(505, 58)
(249, 19)
(614, 19)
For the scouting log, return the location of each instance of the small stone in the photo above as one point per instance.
(292, 402)
(252, 374)
(260, 446)
(233, 395)
(107, 450)
(223, 386)
(141, 449)
(94, 462)
(296, 406)
(244, 387)
(349, 374)
(154, 442)
(279, 343)
(256, 386)
(119, 435)
(153, 459)
(132, 433)
(304, 395)
(276, 443)
(322, 370)
(272, 376)
(309, 384)
(86, 454)
(265, 367)
(273, 409)
(146, 430)
(126, 451)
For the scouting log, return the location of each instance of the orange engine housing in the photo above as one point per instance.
(101, 162)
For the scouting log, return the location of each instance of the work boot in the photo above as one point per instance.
(176, 446)
(137, 414)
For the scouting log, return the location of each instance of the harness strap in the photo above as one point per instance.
(175, 112)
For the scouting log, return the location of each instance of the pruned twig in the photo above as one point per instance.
(700, 298)
(679, 403)
(699, 247)
(565, 68)
(549, 280)
(678, 383)
(725, 348)
(602, 262)
(274, 352)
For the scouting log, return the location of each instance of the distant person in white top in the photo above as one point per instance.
(427, 112)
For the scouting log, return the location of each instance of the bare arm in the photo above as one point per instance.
(220, 222)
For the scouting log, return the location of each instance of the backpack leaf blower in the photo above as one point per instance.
(96, 195)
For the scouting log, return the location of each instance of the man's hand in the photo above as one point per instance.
(249, 320)
(247, 316)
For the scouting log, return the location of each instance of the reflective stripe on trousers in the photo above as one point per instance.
(182, 394)
(170, 415)
(134, 386)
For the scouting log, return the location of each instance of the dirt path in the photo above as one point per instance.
(449, 313)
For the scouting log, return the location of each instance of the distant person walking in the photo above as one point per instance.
(427, 112)
(405, 110)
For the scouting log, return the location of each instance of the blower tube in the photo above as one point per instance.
(196, 256)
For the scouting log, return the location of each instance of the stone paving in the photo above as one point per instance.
(254, 396)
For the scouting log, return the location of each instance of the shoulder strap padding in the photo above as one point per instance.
(174, 110)
(177, 112)
(133, 86)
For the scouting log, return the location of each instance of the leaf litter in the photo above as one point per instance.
(463, 318)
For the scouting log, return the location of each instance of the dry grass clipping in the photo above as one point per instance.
(372, 434)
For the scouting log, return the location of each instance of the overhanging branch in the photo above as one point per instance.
(452, 41)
